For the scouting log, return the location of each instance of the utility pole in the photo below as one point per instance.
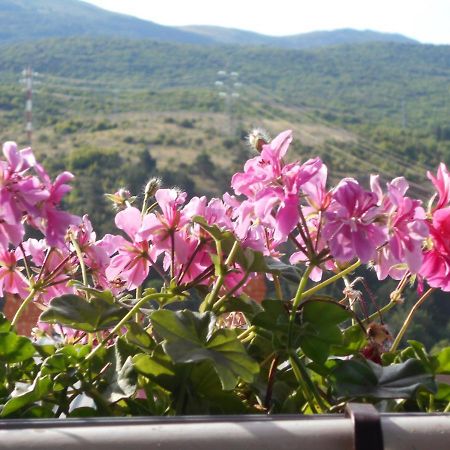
(28, 81)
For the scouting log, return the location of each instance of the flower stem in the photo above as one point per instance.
(221, 278)
(22, 307)
(80, 259)
(408, 319)
(296, 302)
(332, 279)
(125, 319)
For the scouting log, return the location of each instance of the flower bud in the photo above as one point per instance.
(257, 138)
(152, 186)
(121, 199)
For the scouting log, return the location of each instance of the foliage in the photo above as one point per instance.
(109, 340)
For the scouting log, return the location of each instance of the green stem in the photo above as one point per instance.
(303, 387)
(408, 319)
(221, 278)
(331, 280)
(80, 259)
(225, 297)
(310, 386)
(247, 332)
(278, 290)
(296, 302)
(381, 311)
(22, 307)
(125, 319)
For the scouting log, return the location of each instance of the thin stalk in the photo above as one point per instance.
(297, 362)
(46, 258)
(248, 331)
(296, 302)
(408, 319)
(183, 272)
(172, 255)
(125, 319)
(376, 314)
(225, 297)
(271, 381)
(221, 278)
(80, 259)
(25, 262)
(332, 279)
(22, 307)
(137, 297)
(304, 388)
(278, 290)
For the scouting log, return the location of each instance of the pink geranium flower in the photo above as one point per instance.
(442, 184)
(436, 262)
(11, 278)
(132, 263)
(350, 228)
(406, 228)
(164, 229)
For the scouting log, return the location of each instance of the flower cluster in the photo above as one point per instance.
(277, 207)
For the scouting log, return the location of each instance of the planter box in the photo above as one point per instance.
(327, 432)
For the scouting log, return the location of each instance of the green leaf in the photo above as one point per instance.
(5, 325)
(246, 305)
(76, 312)
(23, 397)
(274, 317)
(286, 271)
(358, 377)
(121, 376)
(320, 329)
(190, 337)
(443, 359)
(353, 340)
(14, 348)
(136, 335)
(153, 366)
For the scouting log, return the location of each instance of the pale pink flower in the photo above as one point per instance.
(11, 278)
(163, 229)
(406, 227)
(132, 263)
(442, 184)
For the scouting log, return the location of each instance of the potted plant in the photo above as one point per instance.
(111, 344)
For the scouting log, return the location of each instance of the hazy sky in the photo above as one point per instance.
(425, 20)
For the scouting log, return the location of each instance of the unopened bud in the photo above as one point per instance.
(152, 186)
(121, 199)
(257, 138)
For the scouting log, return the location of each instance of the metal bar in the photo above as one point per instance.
(327, 432)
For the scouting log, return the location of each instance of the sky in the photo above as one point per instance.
(428, 21)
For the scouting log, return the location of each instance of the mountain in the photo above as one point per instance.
(367, 82)
(24, 20)
(300, 41)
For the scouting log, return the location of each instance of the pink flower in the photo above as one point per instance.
(132, 263)
(436, 263)
(163, 229)
(350, 228)
(406, 228)
(52, 221)
(11, 277)
(264, 168)
(55, 269)
(442, 184)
